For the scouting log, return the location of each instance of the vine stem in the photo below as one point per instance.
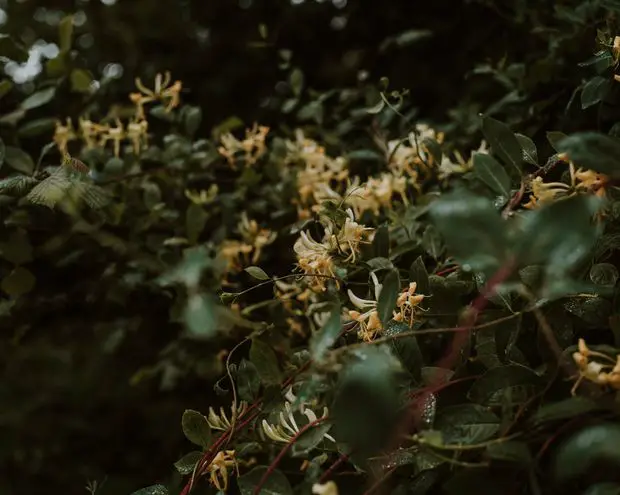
(451, 357)
(283, 452)
(332, 468)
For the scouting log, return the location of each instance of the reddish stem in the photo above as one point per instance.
(332, 468)
(283, 452)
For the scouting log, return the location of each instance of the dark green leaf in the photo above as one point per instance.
(36, 127)
(388, 296)
(326, 336)
(365, 155)
(492, 173)
(603, 489)
(192, 118)
(19, 282)
(5, 87)
(491, 388)
(473, 230)
(554, 138)
(248, 381)
(264, 358)
(65, 31)
(466, 424)
(434, 148)
(19, 160)
(195, 221)
(187, 463)
(419, 275)
(604, 274)
(565, 409)
(510, 451)
(594, 91)
(152, 490)
(503, 142)
(17, 248)
(276, 484)
(310, 439)
(594, 151)
(530, 155)
(296, 81)
(366, 399)
(406, 348)
(381, 242)
(196, 428)
(81, 80)
(39, 98)
(559, 235)
(579, 453)
(257, 272)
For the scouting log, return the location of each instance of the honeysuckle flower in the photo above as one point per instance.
(329, 488)
(407, 304)
(252, 147)
(90, 132)
(257, 237)
(349, 237)
(545, 192)
(63, 134)
(314, 259)
(591, 181)
(203, 197)
(137, 133)
(236, 254)
(221, 421)
(367, 316)
(286, 429)
(595, 371)
(218, 469)
(163, 91)
(114, 134)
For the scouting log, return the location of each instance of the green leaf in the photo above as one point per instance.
(503, 142)
(36, 127)
(388, 296)
(276, 484)
(248, 381)
(594, 151)
(406, 348)
(308, 440)
(17, 249)
(492, 387)
(419, 275)
(322, 340)
(594, 91)
(510, 451)
(195, 220)
(603, 489)
(264, 358)
(200, 316)
(19, 282)
(65, 33)
(604, 274)
(296, 81)
(381, 242)
(530, 154)
(582, 450)
(196, 428)
(81, 80)
(559, 235)
(5, 87)
(189, 270)
(39, 98)
(554, 138)
(17, 185)
(466, 424)
(193, 118)
(187, 463)
(366, 399)
(257, 272)
(152, 490)
(565, 409)
(491, 172)
(19, 160)
(473, 230)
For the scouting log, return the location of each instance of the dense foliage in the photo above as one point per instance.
(395, 272)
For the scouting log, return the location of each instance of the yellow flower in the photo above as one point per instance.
(367, 317)
(114, 134)
(138, 135)
(203, 197)
(545, 192)
(218, 469)
(90, 131)
(407, 304)
(63, 134)
(252, 147)
(163, 91)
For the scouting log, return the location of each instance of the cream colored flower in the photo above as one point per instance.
(221, 421)
(163, 91)
(329, 488)
(367, 316)
(251, 148)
